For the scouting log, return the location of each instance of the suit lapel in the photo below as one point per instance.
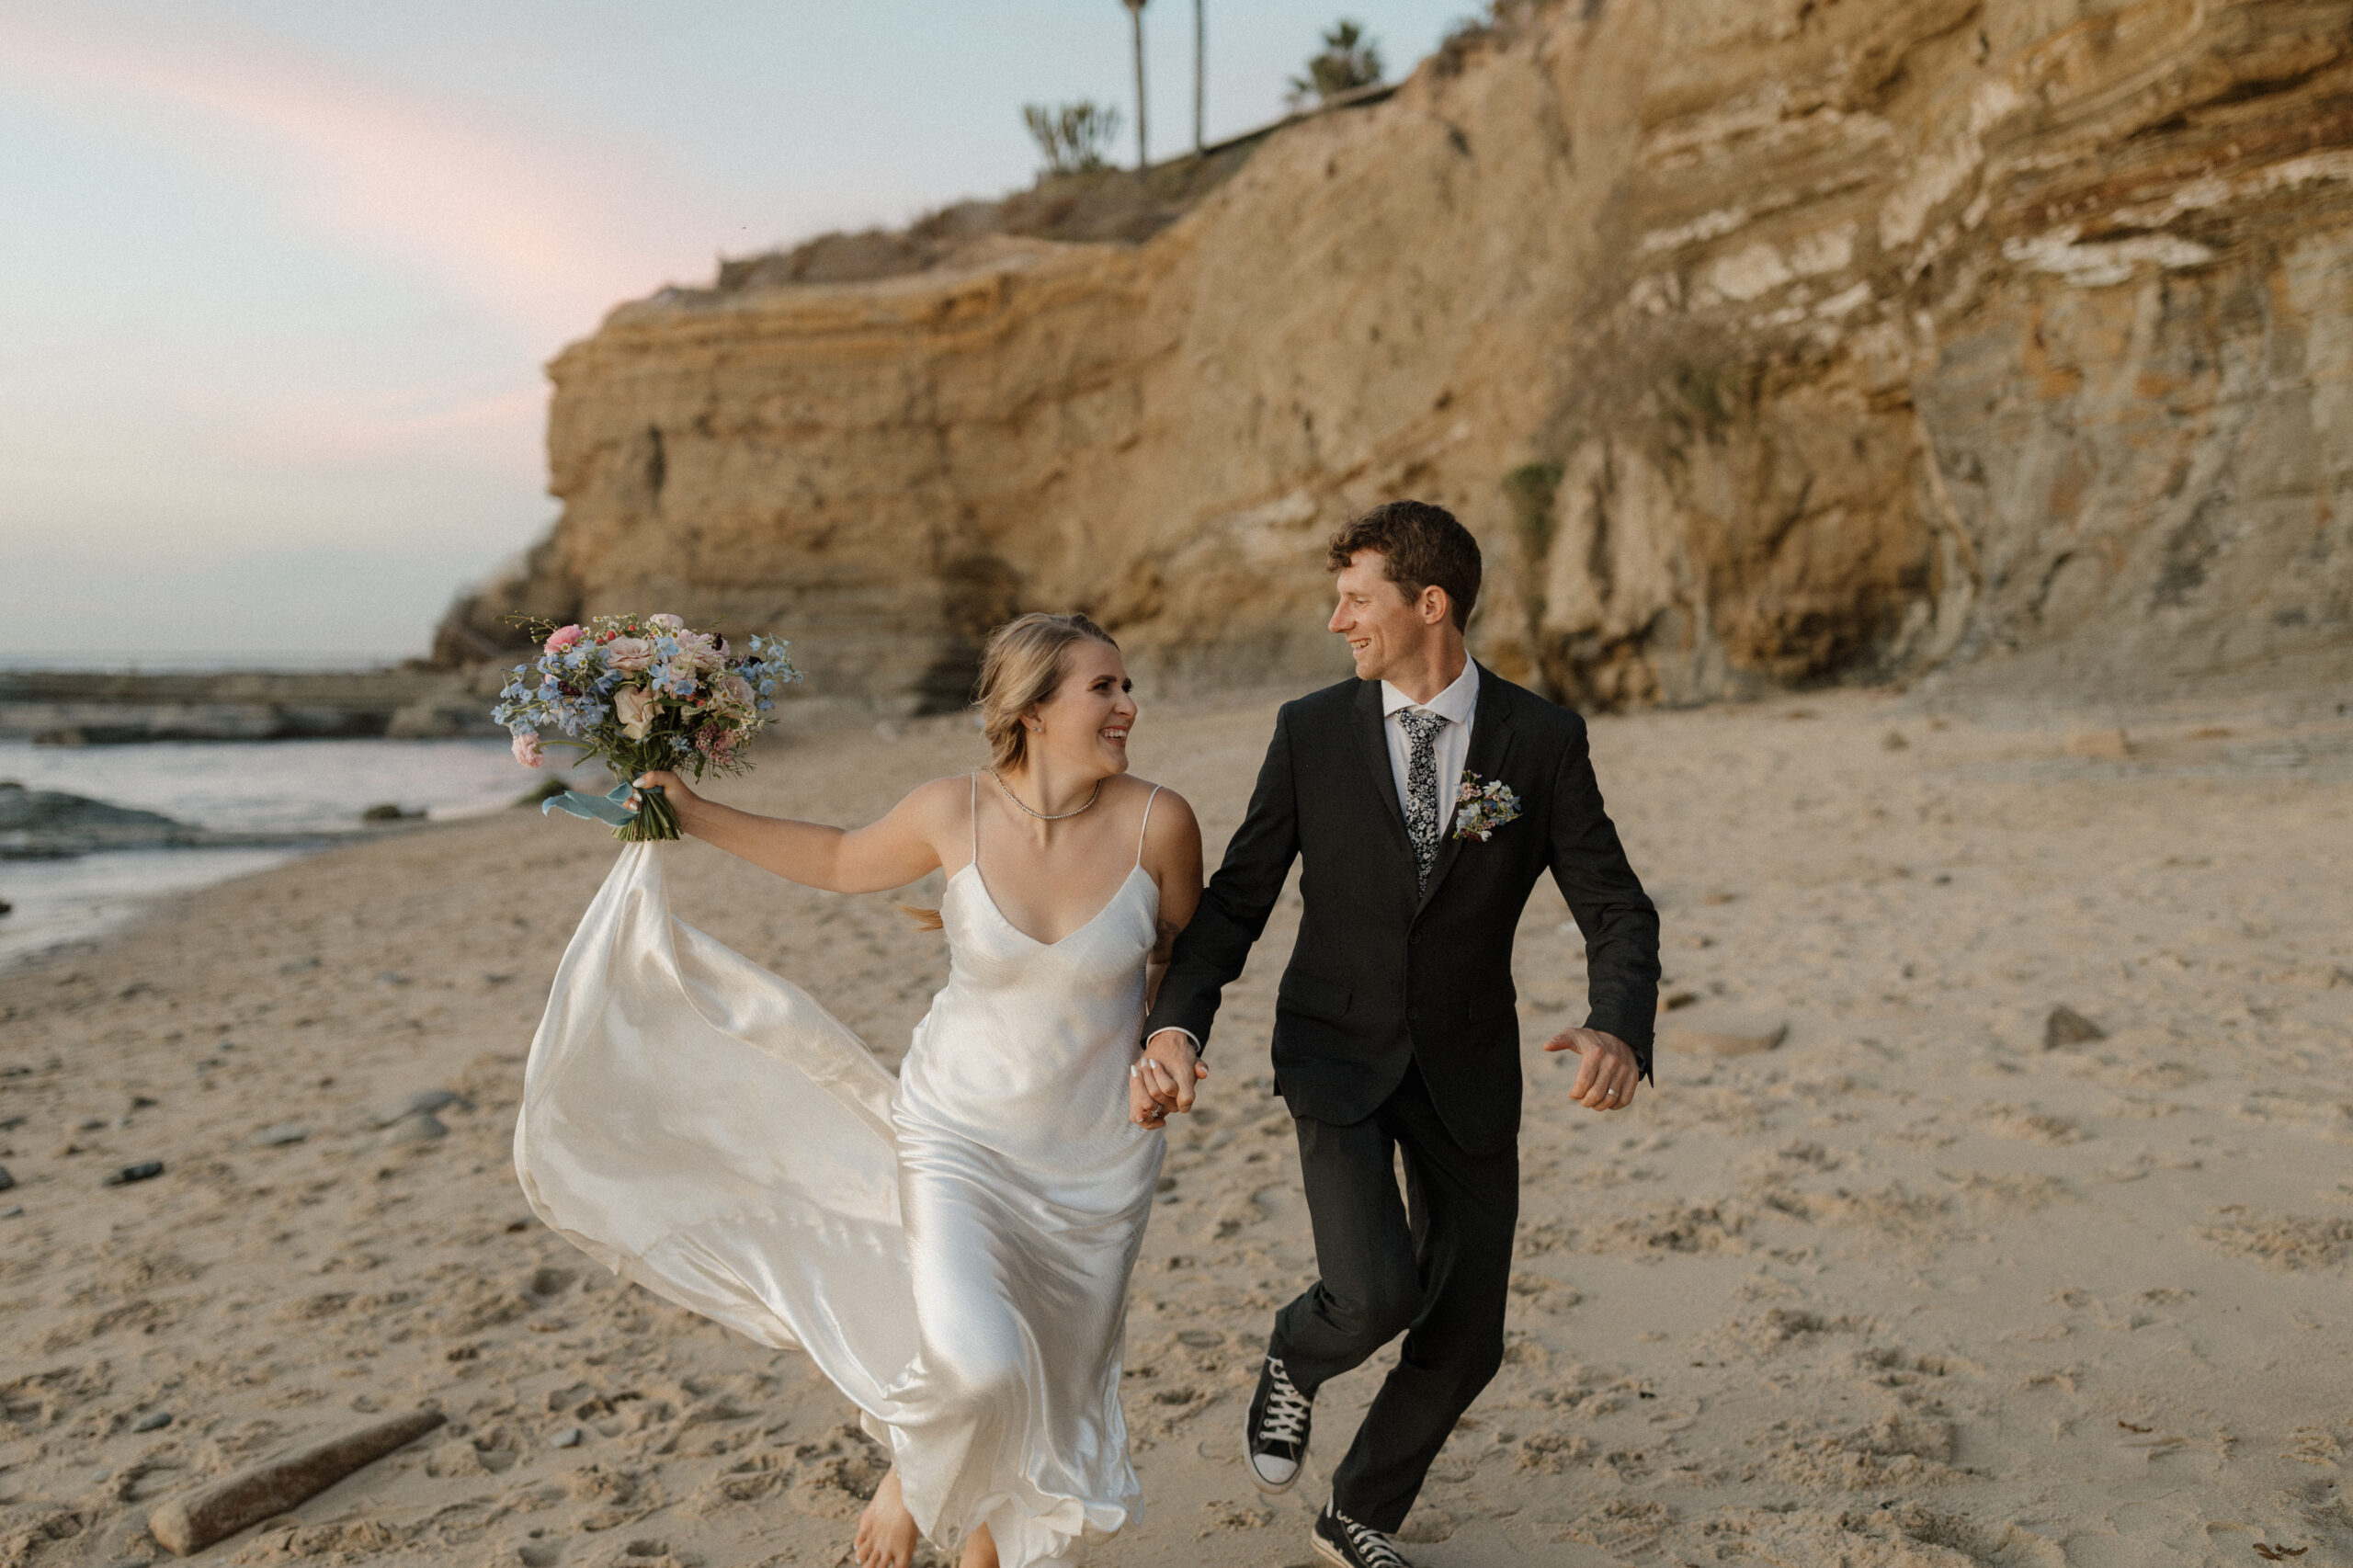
(1373, 740)
(1490, 746)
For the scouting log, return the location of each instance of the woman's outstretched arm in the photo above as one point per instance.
(875, 858)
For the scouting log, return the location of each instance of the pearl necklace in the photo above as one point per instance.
(1062, 816)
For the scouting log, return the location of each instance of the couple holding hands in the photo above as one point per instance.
(953, 1245)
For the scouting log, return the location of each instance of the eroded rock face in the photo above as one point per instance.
(1760, 341)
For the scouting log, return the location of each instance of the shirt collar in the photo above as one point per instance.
(1455, 704)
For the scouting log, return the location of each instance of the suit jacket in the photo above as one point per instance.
(1381, 976)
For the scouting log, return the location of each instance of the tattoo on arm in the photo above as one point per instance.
(1165, 941)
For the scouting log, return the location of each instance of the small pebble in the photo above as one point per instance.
(153, 1421)
(7, 1181)
(422, 1128)
(423, 1100)
(283, 1132)
(299, 966)
(12, 1212)
(146, 1170)
(570, 1437)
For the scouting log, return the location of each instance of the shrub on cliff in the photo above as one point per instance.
(1349, 60)
(1073, 138)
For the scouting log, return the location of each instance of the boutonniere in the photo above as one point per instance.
(1482, 808)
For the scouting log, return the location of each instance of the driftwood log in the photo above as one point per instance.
(190, 1523)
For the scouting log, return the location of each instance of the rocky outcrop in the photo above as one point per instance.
(48, 825)
(1761, 341)
(76, 708)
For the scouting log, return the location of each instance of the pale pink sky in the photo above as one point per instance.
(278, 279)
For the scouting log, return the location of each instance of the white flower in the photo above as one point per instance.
(628, 654)
(635, 707)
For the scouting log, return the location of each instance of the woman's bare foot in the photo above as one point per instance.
(979, 1549)
(886, 1531)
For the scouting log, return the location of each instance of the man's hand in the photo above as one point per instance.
(1162, 1082)
(1608, 1076)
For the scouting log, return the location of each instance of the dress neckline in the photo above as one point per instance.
(1006, 920)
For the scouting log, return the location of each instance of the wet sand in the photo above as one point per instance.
(1921, 1283)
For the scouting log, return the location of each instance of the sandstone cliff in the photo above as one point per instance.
(1761, 341)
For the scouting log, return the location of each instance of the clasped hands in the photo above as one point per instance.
(1161, 1083)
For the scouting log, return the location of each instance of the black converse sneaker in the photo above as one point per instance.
(1339, 1539)
(1275, 1440)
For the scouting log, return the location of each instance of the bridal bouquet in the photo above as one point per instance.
(642, 692)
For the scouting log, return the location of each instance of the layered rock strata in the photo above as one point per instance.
(1761, 341)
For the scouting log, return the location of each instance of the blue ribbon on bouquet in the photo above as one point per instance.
(613, 810)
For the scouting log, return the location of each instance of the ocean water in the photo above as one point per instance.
(265, 787)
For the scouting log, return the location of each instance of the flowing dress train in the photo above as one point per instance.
(951, 1247)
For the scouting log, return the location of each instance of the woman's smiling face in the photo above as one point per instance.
(1085, 725)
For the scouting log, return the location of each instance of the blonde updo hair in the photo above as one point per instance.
(1021, 666)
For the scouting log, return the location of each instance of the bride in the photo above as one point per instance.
(952, 1246)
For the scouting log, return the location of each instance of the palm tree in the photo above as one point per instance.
(1200, 69)
(1135, 21)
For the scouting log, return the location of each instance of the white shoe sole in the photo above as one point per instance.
(1265, 1487)
(1324, 1548)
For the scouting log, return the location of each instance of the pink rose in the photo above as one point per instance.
(736, 689)
(634, 706)
(527, 746)
(629, 654)
(665, 622)
(563, 637)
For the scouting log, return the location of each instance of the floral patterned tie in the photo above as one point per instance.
(1421, 788)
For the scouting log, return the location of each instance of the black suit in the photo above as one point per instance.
(1395, 1026)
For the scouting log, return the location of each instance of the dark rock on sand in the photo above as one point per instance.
(2066, 1027)
(42, 824)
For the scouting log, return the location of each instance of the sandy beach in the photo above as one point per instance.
(1888, 1268)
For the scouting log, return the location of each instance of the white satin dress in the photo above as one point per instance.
(951, 1247)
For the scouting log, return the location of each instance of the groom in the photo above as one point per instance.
(1395, 1030)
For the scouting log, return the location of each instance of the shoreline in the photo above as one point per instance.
(1905, 1286)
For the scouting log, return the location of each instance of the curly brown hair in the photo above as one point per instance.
(1420, 545)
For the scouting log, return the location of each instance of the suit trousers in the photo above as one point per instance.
(1433, 1263)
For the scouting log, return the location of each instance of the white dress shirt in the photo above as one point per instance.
(1456, 704)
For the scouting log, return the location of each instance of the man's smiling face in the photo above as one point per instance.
(1385, 629)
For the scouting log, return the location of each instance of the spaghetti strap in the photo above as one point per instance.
(977, 821)
(1139, 832)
